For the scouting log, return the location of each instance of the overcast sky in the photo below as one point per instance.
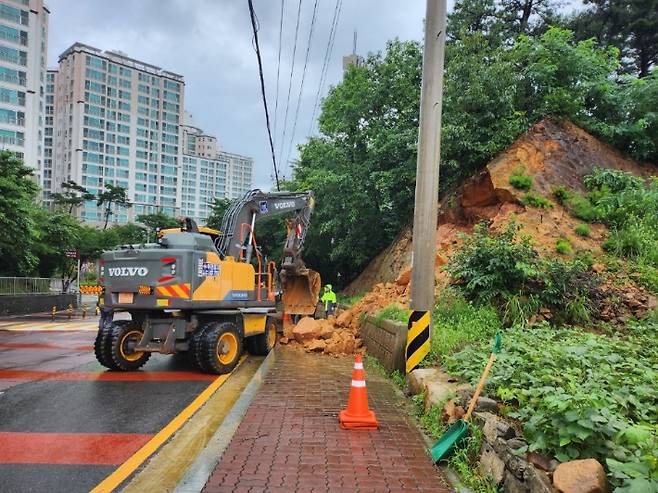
(209, 42)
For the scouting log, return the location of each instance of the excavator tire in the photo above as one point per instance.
(124, 334)
(262, 344)
(194, 351)
(220, 348)
(102, 347)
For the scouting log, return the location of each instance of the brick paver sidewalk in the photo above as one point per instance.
(289, 440)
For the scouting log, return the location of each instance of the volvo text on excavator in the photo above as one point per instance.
(206, 292)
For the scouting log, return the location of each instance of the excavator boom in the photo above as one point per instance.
(300, 286)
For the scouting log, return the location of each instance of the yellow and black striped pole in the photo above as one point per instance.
(418, 338)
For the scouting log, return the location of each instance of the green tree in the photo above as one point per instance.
(112, 196)
(126, 234)
(17, 195)
(218, 207)
(72, 196)
(156, 221)
(362, 167)
(630, 26)
(58, 232)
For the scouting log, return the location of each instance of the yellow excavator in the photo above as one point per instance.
(205, 292)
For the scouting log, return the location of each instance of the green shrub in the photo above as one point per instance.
(579, 395)
(612, 180)
(582, 230)
(533, 200)
(491, 265)
(458, 322)
(561, 194)
(563, 247)
(582, 208)
(519, 180)
(393, 312)
(499, 269)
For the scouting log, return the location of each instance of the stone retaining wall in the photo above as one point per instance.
(386, 340)
(34, 303)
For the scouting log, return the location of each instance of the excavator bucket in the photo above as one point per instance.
(300, 291)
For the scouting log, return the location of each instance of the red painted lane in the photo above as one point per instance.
(154, 376)
(38, 345)
(69, 448)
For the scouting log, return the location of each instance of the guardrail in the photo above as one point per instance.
(29, 285)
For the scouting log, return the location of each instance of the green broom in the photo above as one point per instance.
(459, 429)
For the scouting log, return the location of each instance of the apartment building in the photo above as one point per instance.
(117, 121)
(209, 172)
(23, 50)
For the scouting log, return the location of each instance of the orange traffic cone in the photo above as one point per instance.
(357, 416)
(286, 320)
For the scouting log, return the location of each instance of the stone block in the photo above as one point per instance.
(513, 485)
(580, 476)
(491, 464)
(387, 341)
(538, 481)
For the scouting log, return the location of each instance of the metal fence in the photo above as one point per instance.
(29, 285)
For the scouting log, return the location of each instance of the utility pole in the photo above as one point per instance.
(427, 185)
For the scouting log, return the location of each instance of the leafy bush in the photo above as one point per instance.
(582, 208)
(519, 180)
(561, 194)
(458, 322)
(491, 266)
(582, 230)
(500, 269)
(563, 247)
(533, 200)
(580, 395)
(612, 180)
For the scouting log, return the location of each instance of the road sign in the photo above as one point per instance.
(72, 254)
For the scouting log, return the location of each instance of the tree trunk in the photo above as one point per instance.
(525, 16)
(108, 211)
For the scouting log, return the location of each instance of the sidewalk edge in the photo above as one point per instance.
(203, 466)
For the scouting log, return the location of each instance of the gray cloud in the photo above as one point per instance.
(210, 43)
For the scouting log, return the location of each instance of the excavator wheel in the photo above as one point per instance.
(102, 347)
(220, 347)
(194, 351)
(125, 335)
(262, 344)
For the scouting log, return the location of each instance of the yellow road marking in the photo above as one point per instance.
(128, 467)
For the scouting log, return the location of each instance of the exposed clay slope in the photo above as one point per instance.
(554, 152)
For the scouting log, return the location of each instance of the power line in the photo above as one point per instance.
(262, 88)
(292, 69)
(301, 86)
(327, 57)
(278, 69)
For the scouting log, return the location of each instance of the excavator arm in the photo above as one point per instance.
(300, 286)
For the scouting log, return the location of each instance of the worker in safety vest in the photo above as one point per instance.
(106, 313)
(329, 300)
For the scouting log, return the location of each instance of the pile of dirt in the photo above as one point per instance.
(340, 334)
(554, 153)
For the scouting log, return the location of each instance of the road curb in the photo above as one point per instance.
(203, 466)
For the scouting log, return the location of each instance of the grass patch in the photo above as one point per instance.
(582, 208)
(349, 300)
(393, 312)
(563, 246)
(458, 322)
(580, 395)
(519, 180)
(582, 230)
(534, 200)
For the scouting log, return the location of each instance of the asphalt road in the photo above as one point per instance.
(65, 422)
